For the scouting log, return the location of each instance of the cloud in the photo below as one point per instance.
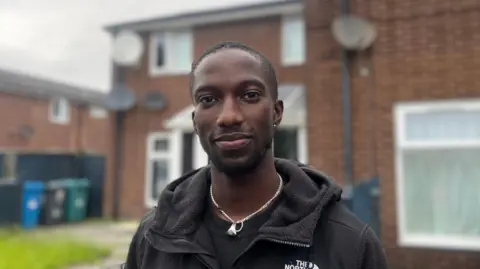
(64, 39)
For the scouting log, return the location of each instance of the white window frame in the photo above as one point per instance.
(199, 156)
(9, 167)
(64, 108)
(153, 155)
(97, 112)
(166, 36)
(401, 110)
(288, 60)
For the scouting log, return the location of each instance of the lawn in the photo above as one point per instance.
(30, 250)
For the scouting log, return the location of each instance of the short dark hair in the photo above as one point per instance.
(266, 65)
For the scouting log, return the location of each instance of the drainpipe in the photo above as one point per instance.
(118, 78)
(347, 121)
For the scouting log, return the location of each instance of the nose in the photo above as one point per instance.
(230, 113)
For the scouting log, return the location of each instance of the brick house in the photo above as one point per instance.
(41, 115)
(44, 125)
(161, 145)
(415, 102)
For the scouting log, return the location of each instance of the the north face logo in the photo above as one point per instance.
(301, 265)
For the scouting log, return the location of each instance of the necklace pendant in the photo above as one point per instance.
(232, 231)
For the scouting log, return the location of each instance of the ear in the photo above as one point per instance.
(277, 112)
(193, 121)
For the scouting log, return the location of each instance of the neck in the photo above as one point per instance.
(245, 194)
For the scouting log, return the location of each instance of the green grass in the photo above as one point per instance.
(30, 250)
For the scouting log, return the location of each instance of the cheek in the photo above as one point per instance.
(267, 116)
(202, 127)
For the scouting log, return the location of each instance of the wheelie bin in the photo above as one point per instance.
(77, 199)
(53, 204)
(10, 203)
(32, 195)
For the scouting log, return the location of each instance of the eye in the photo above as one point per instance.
(207, 99)
(251, 95)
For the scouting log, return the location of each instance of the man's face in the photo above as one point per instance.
(235, 111)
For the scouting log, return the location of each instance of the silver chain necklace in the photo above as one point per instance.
(233, 231)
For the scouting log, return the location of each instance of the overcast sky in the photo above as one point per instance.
(64, 40)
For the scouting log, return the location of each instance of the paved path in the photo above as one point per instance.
(115, 235)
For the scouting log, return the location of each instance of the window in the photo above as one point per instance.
(171, 52)
(98, 112)
(285, 144)
(193, 156)
(293, 40)
(438, 174)
(59, 110)
(188, 153)
(159, 166)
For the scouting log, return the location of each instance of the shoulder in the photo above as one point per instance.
(340, 217)
(145, 224)
(348, 237)
(340, 226)
(137, 244)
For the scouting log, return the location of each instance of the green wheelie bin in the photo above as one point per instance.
(77, 199)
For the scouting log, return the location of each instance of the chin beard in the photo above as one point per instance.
(236, 169)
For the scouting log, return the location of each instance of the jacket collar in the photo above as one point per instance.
(306, 192)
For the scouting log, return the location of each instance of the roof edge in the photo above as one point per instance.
(184, 20)
(36, 86)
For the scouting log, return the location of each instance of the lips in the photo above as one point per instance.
(232, 141)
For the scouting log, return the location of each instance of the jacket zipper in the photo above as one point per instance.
(287, 243)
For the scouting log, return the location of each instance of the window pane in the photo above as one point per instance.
(451, 125)
(56, 108)
(159, 177)
(187, 152)
(293, 39)
(180, 50)
(160, 54)
(160, 145)
(442, 192)
(285, 144)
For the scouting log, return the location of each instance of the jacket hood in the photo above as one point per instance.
(305, 195)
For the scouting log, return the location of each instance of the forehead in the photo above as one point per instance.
(228, 66)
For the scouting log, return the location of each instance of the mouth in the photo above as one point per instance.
(232, 141)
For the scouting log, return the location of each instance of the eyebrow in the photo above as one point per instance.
(247, 82)
(254, 82)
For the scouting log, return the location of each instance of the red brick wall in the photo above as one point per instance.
(425, 50)
(82, 132)
(263, 35)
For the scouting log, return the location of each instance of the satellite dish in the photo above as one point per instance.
(127, 48)
(121, 98)
(353, 33)
(154, 100)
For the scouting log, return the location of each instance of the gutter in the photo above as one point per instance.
(211, 16)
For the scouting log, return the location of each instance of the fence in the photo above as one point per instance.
(364, 202)
(46, 167)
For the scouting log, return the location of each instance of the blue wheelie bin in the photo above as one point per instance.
(32, 195)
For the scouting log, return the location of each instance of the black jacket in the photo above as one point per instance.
(310, 228)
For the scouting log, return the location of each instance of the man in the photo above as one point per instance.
(247, 209)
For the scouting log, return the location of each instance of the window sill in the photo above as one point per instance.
(59, 122)
(292, 63)
(440, 242)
